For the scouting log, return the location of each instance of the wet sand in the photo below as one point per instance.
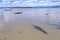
(20, 26)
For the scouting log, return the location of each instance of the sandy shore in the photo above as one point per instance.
(20, 26)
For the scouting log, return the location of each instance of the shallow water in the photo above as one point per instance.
(20, 26)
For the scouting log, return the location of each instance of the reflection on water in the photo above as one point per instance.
(19, 27)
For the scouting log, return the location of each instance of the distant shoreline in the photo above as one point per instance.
(34, 7)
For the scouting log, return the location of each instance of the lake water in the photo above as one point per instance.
(20, 26)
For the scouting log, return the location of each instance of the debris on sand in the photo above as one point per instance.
(18, 13)
(8, 9)
(40, 29)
